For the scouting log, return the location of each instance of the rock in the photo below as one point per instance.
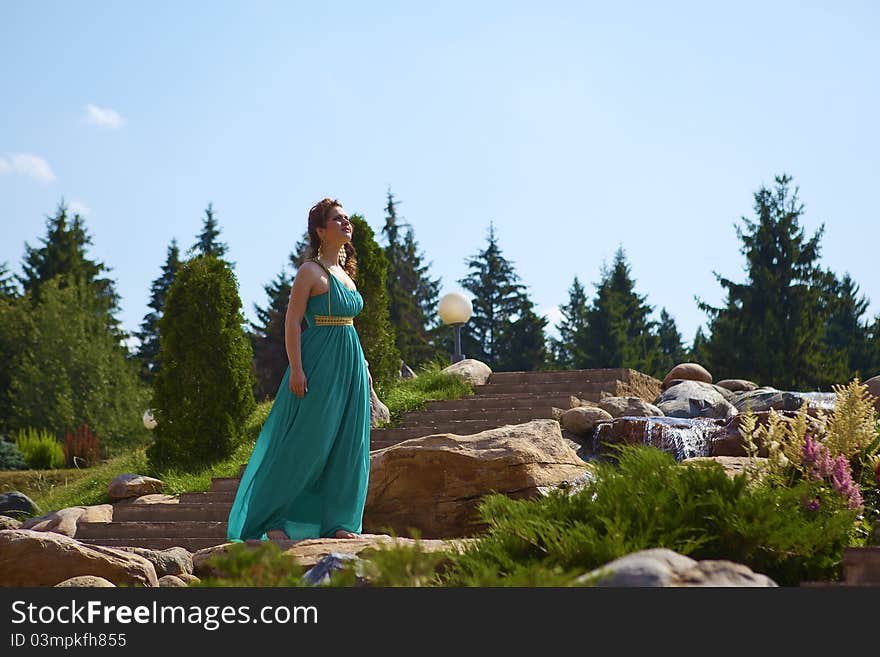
(763, 399)
(737, 385)
(688, 372)
(470, 369)
(153, 498)
(873, 385)
(681, 437)
(628, 407)
(17, 505)
(65, 521)
(572, 444)
(729, 441)
(87, 581)
(575, 402)
(694, 399)
(9, 523)
(557, 413)
(171, 581)
(379, 413)
(582, 420)
(405, 371)
(132, 485)
(188, 578)
(30, 558)
(660, 567)
(733, 465)
(433, 483)
(170, 561)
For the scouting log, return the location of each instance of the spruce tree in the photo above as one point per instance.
(699, 349)
(846, 337)
(671, 349)
(203, 394)
(523, 342)
(497, 296)
(8, 287)
(207, 242)
(412, 296)
(148, 350)
(268, 337)
(770, 329)
(618, 332)
(566, 353)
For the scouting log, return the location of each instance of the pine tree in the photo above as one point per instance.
(770, 329)
(207, 242)
(497, 297)
(524, 344)
(148, 350)
(565, 351)
(268, 337)
(698, 352)
(619, 332)
(8, 287)
(670, 345)
(412, 295)
(203, 394)
(64, 254)
(846, 338)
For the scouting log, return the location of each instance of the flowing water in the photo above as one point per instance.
(821, 400)
(682, 437)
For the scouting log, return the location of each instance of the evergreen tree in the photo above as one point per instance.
(498, 296)
(268, 337)
(148, 351)
(412, 295)
(8, 286)
(524, 344)
(64, 254)
(565, 350)
(670, 345)
(771, 328)
(203, 394)
(618, 332)
(16, 330)
(846, 338)
(207, 242)
(699, 350)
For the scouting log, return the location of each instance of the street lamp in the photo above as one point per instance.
(149, 420)
(455, 309)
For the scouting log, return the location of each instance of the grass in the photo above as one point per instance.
(58, 489)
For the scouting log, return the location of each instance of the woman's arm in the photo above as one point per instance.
(296, 308)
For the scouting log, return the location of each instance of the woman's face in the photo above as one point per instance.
(338, 227)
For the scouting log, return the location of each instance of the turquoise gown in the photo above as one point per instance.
(309, 468)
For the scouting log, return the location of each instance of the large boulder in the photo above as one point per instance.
(694, 399)
(763, 399)
(87, 581)
(873, 385)
(9, 523)
(737, 385)
(379, 413)
(17, 505)
(628, 407)
(132, 485)
(65, 521)
(170, 561)
(434, 483)
(661, 567)
(582, 420)
(687, 372)
(470, 369)
(30, 558)
(728, 441)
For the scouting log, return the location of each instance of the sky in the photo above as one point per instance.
(574, 128)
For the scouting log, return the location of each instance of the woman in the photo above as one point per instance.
(307, 475)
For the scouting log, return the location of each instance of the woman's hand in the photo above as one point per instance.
(297, 382)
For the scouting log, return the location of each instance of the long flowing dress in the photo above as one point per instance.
(309, 468)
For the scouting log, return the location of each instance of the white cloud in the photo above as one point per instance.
(27, 165)
(80, 208)
(104, 117)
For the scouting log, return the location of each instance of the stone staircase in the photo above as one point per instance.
(198, 520)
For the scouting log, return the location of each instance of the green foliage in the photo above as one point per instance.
(70, 370)
(670, 346)
(566, 353)
(647, 500)
(11, 457)
(204, 392)
(429, 384)
(242, 565)
(40, 449)
(148, 351)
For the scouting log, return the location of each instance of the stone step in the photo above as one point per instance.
(572, 387)
(154, 529)
(595, 375)
(207, 498)
(500, 415)
(191, 544)
(223, 484)
(503, 402)
(171, 512)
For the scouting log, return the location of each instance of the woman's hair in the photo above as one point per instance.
(318, 218)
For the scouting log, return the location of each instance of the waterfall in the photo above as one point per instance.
(682, 437)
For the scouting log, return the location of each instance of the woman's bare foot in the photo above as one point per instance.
(343, 533)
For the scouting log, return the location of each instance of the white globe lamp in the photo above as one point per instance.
(455, 309)
(149, 420)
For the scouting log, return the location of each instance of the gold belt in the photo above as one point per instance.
(333, 320)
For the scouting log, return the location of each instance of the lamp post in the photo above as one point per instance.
(455, 309)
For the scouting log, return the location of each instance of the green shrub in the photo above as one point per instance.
(242, 565)
(646, 500)
(203, 393)
(40, 449)
(11, 457)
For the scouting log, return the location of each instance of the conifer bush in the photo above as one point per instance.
(203, 393)
(11, 457)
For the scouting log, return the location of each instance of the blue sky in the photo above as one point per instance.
(573, 127)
